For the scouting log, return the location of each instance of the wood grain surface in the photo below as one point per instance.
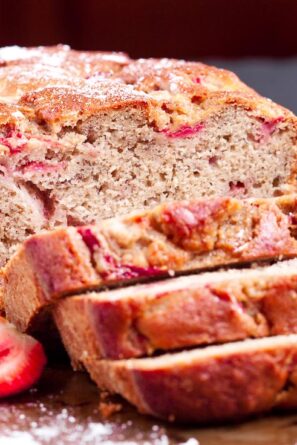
(63, 410)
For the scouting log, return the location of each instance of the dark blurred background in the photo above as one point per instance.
(256, 38)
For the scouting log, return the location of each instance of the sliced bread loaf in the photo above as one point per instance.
(171, 238)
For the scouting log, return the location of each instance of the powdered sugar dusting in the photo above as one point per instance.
(59, 84)
(87, 97)
(63, 410)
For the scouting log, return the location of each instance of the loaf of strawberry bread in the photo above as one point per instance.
(171, 238)
(208, 308)
(86, 136)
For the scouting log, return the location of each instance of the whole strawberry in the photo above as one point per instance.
(22, 360)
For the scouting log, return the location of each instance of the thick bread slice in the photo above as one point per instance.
(174, 237)
(91, 135)
(218, 383)
(215, 307)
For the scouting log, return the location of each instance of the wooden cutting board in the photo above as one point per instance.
(63, 409)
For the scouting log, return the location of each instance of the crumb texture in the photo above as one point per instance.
(88, 135)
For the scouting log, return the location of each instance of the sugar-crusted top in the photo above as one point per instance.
(176, 76)
(184, 92)
(59, 85)
(68, 103)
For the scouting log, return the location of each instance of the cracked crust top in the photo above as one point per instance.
(60, 85)
(189, 91)
(68, 104)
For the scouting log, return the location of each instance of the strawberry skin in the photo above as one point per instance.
(22, 360)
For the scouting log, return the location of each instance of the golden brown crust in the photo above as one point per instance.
(180, 76)
(38, 70)
(10, 114)
(178, 92)
(68, 104)
(30, 69)
(218, 383)
(179, 237)
(195, 90)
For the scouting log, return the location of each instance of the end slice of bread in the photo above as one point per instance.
(209, 308)
(215, 384)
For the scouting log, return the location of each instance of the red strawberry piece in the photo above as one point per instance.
(22, 360)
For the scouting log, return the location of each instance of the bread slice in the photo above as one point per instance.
(218, 383)
(86, 136)
(171, 238)
(215, 307)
